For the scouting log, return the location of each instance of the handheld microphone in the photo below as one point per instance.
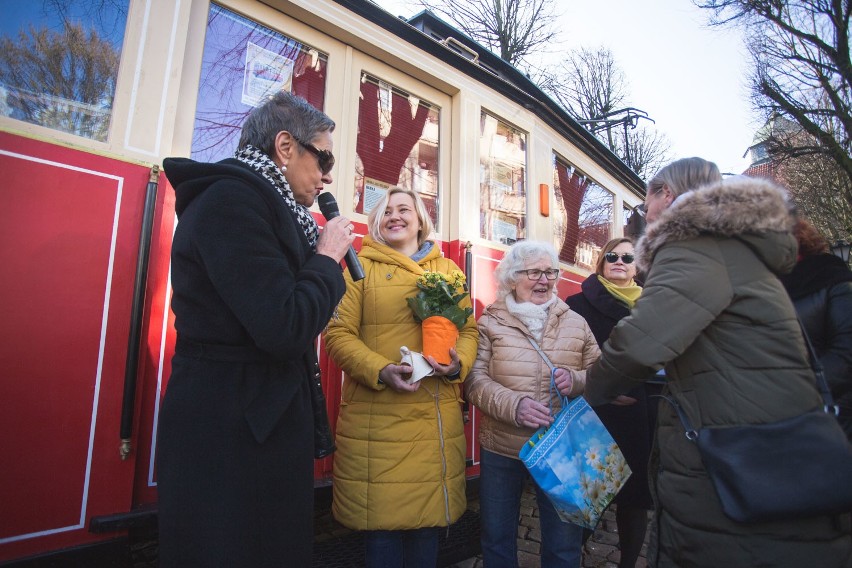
(329, 209)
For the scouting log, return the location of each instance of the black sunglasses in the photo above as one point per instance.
(612, 257)
(325, 159)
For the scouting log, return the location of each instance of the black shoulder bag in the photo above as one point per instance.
(794, 468)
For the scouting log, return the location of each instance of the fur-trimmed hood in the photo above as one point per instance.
(754, 210)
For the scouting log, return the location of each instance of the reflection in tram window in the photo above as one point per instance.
(397, 145)
(59, 63)
(583, 219)
(502, 181)
(243, 64)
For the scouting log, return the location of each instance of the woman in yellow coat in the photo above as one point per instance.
(399, 470)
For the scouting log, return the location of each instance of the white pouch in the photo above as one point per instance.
(420, 367)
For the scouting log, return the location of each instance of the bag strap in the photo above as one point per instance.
(828, 401)
(552, 376)
(822, 383)
(540, 352)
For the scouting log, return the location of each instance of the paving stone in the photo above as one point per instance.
(529, 546)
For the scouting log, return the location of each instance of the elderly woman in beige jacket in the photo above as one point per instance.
(510, 384)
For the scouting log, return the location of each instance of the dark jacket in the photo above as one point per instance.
(713, 312)
(630, 426)
(235, 443)
(821, 289)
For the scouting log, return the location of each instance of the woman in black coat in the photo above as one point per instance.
(820, 286)
(606, 297)
(254, 284)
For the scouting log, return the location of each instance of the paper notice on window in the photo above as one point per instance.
(503, 231)
(266, 73)
(374, 191)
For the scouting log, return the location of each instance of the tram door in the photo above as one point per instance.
(69, 234)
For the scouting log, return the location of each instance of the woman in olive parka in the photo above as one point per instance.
(715, 315)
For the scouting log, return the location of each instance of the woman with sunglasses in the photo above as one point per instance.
(254, 283)
(714, 314)
(510, 384)
(605, 298)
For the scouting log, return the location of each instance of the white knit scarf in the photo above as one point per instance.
(534, 316)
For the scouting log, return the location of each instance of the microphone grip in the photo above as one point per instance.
(356, 271)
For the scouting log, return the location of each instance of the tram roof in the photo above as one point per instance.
(428, 32)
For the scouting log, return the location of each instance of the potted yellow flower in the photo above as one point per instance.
(436, 305)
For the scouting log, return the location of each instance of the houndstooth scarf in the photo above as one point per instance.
(261, 163)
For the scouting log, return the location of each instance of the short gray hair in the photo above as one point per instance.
(516, 257)
(283, 111)
(684, 175)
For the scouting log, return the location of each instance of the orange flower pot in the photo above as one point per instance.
(439, 336)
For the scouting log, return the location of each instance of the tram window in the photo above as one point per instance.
(397, 145)
(502, 181)
(243, 64)
(583, 220)
(59, 63)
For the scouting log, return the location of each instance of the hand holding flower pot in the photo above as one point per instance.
(436, 305)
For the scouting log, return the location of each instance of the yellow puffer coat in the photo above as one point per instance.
(400, 456)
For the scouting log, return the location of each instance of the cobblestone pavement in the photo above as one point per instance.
(600, 551)
(336, 546)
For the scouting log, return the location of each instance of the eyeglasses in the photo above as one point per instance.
(612, 257)
(535, 273)
(325, 158)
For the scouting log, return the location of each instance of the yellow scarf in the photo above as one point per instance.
(627, 295)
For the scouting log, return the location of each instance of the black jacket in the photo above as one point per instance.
(235, 439)
(821, 289)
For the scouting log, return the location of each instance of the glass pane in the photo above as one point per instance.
(582, 222)
(397, 145)
(59, 63)
(502, 189)
(244, 63)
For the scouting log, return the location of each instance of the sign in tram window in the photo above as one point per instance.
(397, 145)
(582, 223)
(502, 181)
(59, 63)
(243, 64)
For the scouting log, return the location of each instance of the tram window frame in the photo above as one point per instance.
(280, 52)
(503, 194)
(92, 118)
(580, 249)
(422, 169)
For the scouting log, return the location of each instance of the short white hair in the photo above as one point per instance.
(516, 259)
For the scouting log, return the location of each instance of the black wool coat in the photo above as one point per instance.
(630, 426)
(235, 433)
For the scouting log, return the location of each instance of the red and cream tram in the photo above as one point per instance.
(94, 94)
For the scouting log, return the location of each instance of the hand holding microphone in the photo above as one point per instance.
(337, 237)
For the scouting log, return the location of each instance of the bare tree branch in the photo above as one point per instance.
(511, 28)
(801, 69)
(591, 86)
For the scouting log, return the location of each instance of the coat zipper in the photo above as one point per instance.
(436, 396)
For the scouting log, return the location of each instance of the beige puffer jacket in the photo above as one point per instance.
(508, 368)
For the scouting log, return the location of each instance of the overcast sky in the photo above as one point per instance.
(689, 78)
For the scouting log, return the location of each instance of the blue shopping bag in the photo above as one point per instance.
(576, 463)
